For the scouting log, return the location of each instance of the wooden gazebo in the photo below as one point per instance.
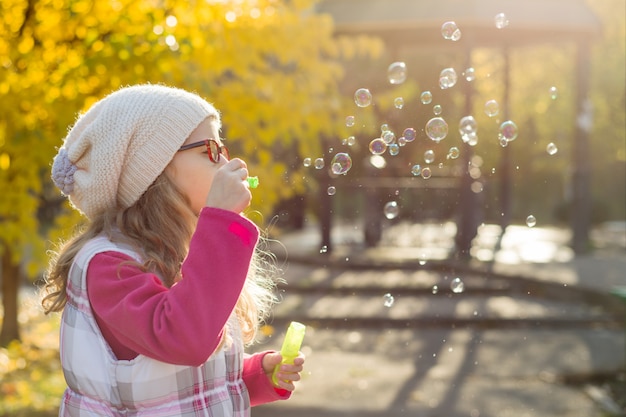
(417, 23)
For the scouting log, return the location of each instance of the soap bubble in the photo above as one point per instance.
(416, 170)
(396, 73)
(394, 149)
(391, 210)
(447, 78)
(341, 163)
(453, 153)
(551, 148)
(388, 300)
(435, 289)
(436, 129)
(350, 120)
(319, 163)
(402, 141)
(426, 97)
(467, 128)
(384, 128)
(501, 21)
(349, 141)
(457, 286)
(429, 156)
(324, 249)
(398, 102)
(363, 97)
(531, 221)
(492, 108)
(553, 93)
(450, 31)
(389, 137)
(409, 134)
(331, 190)
(508, 131)
(306, 162)
(469, 74)
(437, 109)
(377, 161)
(426, 173)
(377, 146)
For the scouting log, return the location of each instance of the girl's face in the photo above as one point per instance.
(192, 170)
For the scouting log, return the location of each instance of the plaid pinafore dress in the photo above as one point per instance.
(101, 385)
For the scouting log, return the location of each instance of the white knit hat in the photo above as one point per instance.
(118, 148)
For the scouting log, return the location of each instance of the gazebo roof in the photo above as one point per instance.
(418, 22)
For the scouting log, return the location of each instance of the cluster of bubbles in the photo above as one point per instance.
(436, 129)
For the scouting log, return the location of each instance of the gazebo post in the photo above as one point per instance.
(581, 175)
(505, 159)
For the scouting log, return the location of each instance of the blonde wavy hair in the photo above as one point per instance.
(144, 227)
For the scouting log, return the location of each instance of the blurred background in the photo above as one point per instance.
(350, 112)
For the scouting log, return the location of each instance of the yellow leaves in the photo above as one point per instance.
(5, 161)
(31, 379)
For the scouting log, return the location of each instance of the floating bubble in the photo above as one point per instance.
(377, 161)
(531, 221)
(429, 156)
(324, 249)
(319, 163)
(350, 120)
(492, 108)
(447, 78)
(435, 289)
(469, 74)
(453, 153)
(391, 210)
(426, 173)
(551, 148)
(349, 141)
(398, 102)
(377, 146)
(409, 134)
(508, 131)
(503, 142)
(402, 141)
(394, 149)
(341, 163)
(450, 31)
(396, 73)
(416, 170)
(477, 187)
(457, 286)
(554, 93)
(437, 129)
(363, 97)
(389, 137)
(437, 109)
(467, 128)
(331, 190)
(306, 162)
(426, 97)
(501, 21)
(388, 300)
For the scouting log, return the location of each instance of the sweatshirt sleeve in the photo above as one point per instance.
(182, 324)
(259, 386)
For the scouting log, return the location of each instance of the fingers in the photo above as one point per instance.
(290, 373)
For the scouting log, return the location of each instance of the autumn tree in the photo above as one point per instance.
(269, 66)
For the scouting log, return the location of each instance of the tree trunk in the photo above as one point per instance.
(10, 280)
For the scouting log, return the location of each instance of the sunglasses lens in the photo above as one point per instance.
(214, 151)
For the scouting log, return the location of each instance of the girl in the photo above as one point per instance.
(165, 285)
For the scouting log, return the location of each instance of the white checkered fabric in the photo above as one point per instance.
(101, 385)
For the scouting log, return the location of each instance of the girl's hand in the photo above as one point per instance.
(229, 189)
(287, 374)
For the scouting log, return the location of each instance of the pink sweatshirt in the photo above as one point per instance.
(137, 314)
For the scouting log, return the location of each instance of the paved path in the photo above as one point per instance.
(531, 322)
